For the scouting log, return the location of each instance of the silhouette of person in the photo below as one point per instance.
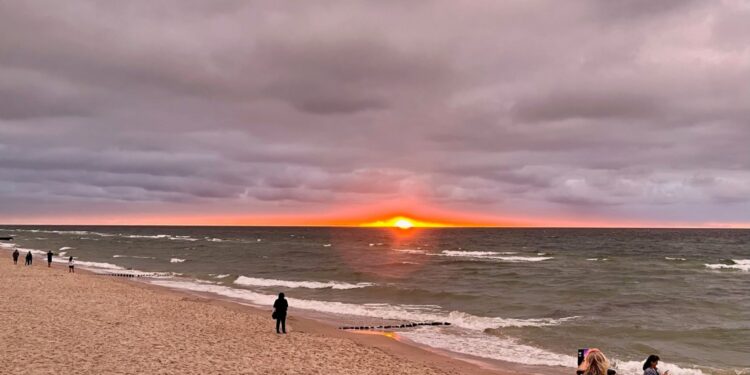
(29, 258)
(15, 256)
(279, 311)
(49, 258)
(71, 265)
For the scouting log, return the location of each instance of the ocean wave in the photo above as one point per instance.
(411, 313)
(636, 368)
(670, 258)
(100, 265)
(487, 346)
(221, 276)
(737, 264)
(65, 232)
(160, 237)
(65, 248)
(492, 255)
(132, 256)
(252, 281)
(177, 260)
(597, 259)
(411, 251)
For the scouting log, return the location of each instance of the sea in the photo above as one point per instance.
(528, 297)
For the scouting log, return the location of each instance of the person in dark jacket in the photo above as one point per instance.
(15, 256)
(649, 367)
(29, 258)
(49, 258)
(279, 312)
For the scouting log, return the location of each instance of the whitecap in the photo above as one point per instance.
(670, 258)
(491, 255)
(177, 260)
(737, 264)
(252, 281)
(487, 346)
(636, 368)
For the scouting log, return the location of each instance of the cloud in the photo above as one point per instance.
(634, 111)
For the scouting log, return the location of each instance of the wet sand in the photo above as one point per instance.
(52, 322)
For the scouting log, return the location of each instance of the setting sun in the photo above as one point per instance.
(403, 224)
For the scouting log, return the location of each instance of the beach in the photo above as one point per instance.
(53, 322)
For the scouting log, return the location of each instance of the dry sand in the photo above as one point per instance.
(52, 322)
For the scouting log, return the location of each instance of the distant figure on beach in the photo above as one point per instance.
(71, 265)
(649, 367)
(29, 258)
(15, 256)
(595, 363)
(49, 258)
(279, 312)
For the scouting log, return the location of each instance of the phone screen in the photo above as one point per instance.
(582, 355)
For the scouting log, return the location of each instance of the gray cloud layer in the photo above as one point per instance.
(627, 111)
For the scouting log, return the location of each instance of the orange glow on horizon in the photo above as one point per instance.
(403, 222)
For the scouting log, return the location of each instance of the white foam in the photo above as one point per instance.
(411, 251)
(253, 281)
(132, 256)
(737, 264)
(214, 239)
(101, 265)
(412, 313)
(491, 255)
(487, 346)
(597, 259)
(636, 368)
(680, 259)
(65, 248)
(222, 276)
(161, 236)
(326, 245)
(177, 260)
(73, 232)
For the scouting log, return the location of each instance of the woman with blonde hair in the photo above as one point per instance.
(595, 363)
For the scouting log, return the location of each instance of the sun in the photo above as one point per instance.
(403, 224)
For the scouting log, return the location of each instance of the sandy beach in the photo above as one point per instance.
(52, 322)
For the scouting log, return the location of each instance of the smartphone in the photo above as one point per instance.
(582, 355)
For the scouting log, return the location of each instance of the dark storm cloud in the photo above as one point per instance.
(628, 110)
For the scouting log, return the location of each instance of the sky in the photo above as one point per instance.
(528, 112)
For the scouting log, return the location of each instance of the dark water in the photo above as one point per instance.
(522, 295)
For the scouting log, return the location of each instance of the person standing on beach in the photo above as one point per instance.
(49, 258)
(279, 312)
(15, 256)
(71, 265)
(29, 258)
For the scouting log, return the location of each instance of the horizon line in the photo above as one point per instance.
(383, 227)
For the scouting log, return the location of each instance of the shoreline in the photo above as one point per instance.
(403, 353)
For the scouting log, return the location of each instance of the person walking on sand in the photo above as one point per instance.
(15, 256)
(279, 312)
(29, 258)
(71, 265)
(649, 367)
(49, 258)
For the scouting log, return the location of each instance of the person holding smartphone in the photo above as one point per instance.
(649, 367)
